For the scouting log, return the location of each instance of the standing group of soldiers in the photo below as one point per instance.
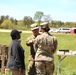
(42, 47)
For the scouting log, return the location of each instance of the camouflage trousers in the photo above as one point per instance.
(31, 68)
(44, 68)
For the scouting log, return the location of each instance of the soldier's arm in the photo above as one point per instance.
(29, 41)
(55, 44)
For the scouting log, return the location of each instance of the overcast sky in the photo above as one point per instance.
(60, 10)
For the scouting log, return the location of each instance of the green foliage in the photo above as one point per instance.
(38, 16)
(20, 27)
(27, 21)
(6, 24)
(20, 22)
(56, 24)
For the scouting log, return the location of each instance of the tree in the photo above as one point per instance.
(15, 21)
(56, 24)
(47, 18)
(20, 23)
(12, 19)
(2, 18)
(27, 21)
(38, 16)
(7, 17)
(6, 24)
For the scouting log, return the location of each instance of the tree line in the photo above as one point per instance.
(11, 23)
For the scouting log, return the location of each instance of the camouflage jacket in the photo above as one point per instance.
(30, 42)
(45, 46)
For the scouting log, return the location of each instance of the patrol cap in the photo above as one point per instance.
(34, 26)
(44, 25)
(15, 32)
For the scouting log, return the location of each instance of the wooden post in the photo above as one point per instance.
(3, 59)
(6, 52)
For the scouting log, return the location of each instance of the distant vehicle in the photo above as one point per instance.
(63, 30)
(53, 30)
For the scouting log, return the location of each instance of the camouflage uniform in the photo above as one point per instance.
(29, 42)
(45, 46)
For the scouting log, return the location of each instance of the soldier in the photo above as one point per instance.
(45, 46)
(30, 42)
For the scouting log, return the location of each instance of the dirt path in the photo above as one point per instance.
(5, 30)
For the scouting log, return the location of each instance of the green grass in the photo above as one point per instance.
(65, 41)
(6, 74)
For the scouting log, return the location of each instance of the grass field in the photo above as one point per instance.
(65, 41)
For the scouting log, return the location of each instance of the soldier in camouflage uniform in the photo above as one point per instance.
(45, 46)
(30, 42)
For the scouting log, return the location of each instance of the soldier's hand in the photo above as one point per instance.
(31, 41)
